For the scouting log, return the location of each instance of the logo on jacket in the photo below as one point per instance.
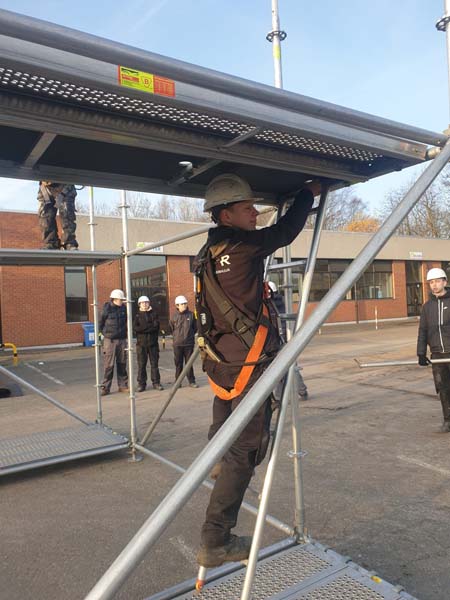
(224, 262)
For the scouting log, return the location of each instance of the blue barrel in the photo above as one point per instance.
(89, 334)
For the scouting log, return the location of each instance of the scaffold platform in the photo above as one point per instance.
(307, 571)
(44, 448)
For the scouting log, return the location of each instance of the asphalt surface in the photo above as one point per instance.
(375, 478)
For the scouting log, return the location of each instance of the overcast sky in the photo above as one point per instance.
(383, 57)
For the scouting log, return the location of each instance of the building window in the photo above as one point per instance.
(76, 294)
(375, 282)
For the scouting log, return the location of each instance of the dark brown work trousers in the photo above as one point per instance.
(238, 463)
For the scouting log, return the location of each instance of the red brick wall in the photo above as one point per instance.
(33, 309)
(180, 281)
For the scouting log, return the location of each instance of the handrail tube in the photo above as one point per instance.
(84, 44)
(171, 240)
(37, 391)
(160, 519)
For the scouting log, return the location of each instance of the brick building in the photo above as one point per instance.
(41, 306)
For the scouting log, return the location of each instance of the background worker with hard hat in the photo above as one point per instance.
(146, 329)
(183, 328)
(113, 326)
(434, 331)
(52, 197)
(237, 341)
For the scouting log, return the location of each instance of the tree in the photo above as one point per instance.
(343, 207)
(430, 216)
(150, 206)
(368, 224)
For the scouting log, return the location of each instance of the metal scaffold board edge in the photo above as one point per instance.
(61, 445)
(306, 572)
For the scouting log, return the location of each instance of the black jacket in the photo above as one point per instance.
(146, 327)
(113, 321)
(239, 269)
(184, 327)
(434, 326)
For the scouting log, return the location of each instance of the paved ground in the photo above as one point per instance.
(376, 475)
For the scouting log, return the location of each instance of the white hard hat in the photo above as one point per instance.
(118, 294)
(181, 300)
(226, 189)
(273, 286)
(143, 299)
(436, 273)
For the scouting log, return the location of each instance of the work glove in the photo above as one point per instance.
(423, 360)
(101, 337)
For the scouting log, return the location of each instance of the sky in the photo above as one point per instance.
(385, 57)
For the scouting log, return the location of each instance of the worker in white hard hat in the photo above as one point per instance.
(113, 326)
(434, 331)
(183, 327)
(146, 329)
(237, 340)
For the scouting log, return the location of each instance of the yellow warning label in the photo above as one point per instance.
(146, 82)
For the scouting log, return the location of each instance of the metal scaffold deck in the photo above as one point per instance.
(307, 572)
(45, 448)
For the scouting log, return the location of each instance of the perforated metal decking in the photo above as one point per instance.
(307, 572)
(51, 447)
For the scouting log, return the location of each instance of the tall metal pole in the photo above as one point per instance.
(276, 36)
(95, 308)
(443, 25)
(129, 302)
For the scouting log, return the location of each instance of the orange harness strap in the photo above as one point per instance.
(253, 355)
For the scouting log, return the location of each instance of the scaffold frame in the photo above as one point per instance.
(59, 90)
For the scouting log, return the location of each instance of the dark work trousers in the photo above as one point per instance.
(114, 352)
(151, 354)
(441, 375)
(238, 463)
(181, 355)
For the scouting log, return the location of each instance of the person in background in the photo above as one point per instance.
(146, 329)
(184, 327)
(278, 301)
(113, 326)
(434, 331)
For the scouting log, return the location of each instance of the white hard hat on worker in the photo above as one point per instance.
(436, 273)
(117, 295)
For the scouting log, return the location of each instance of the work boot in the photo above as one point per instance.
(157, 386)
(141, 388)
(445, 427)
(50, 247)
(104, 392)
(193, 384)
(125, 390)
(303, 396)
(238, 548)
(70, 247)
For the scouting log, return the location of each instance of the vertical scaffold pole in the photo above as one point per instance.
(443, 25)
(276, 36)
(95, 308)
(297, 454)
(129, 302)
